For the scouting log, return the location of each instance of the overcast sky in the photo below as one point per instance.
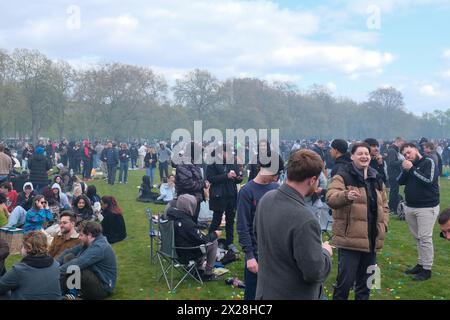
(350, 46)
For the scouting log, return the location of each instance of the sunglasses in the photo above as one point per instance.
(43, 202)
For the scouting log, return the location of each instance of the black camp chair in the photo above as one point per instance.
(169, 260)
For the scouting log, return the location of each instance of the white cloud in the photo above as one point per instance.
(446, 74)
(428, 90)
(331, 86)
(229, 37)
(446, 54)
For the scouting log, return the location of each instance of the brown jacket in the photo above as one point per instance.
(59, 244)
(350, 226)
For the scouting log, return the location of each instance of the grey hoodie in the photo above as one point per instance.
(64, 201)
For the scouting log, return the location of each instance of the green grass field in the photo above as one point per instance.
(138, 278)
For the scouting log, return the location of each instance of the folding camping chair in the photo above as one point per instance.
(153, 233)
(169, 260)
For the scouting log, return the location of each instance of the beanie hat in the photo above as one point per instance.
(40, 150)
(340, 145)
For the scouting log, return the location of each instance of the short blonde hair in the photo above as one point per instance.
(35, 243)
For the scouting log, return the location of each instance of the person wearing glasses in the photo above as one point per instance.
(67, 237)
(444, 223)
(38, 216)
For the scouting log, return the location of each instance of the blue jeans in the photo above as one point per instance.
(151, 173)
(17, 218)
(133, 163)
(250, 280)
(123, 170)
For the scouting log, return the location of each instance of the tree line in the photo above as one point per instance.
(40, 97)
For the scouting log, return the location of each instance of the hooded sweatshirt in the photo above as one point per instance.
(187, 233)
(23, 201)
(63, 200)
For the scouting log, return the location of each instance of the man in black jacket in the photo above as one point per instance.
(394, 168)
(377, 161)
(187, 234)
(188, 177)
(429, 149)
(39, 166)
(420, 177)
(224, 174)
(134, 153)
(339, 151)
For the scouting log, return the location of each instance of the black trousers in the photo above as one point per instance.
(91, 286)
(352, 270)
(112, 173)
(230, 214)
(394, 196)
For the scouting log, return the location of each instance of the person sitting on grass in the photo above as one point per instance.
(38, 216)
(10, 194)
(113, 223)
(444, 223)
(145, 191)
(97, 261)
(187, 234)
(4, 214)
(83, 209)
(4, 253)
(67, 236)
(167, 190)
(24, 203)
(59, 180)
(60, 196)
(36, 277)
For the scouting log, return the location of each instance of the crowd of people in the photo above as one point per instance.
(66, 223)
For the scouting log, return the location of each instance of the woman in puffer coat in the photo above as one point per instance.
(357, 196)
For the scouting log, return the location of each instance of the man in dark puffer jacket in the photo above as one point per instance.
(39, 166)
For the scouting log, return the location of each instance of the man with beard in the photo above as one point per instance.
(96, 260)
(67, 237)
(293, 262)
(420, 178)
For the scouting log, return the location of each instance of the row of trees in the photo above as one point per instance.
(42, 97)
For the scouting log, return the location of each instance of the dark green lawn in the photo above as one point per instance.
(138, 278)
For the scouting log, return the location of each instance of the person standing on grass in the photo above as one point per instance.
(111, 158)
(357, 196)
(142, 150)
(248, 198)
(134, 154)
(394, 168)
(150, 160)
(420, 178)
(293, 263)
(224, 176)
(39, 166)
(164, 156)
(124, 158)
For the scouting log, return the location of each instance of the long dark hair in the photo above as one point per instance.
(87, 211)
(112, 205)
